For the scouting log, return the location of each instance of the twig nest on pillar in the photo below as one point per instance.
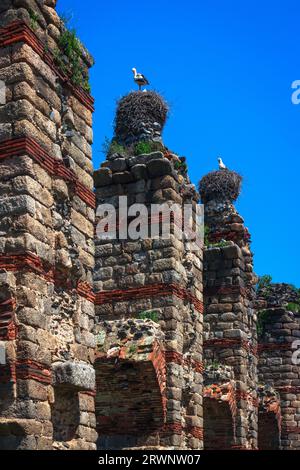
(221, 185)
(140, 116)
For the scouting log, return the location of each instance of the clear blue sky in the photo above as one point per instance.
(226, 68)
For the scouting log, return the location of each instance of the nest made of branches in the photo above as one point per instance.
(221, 185)
(139, 109)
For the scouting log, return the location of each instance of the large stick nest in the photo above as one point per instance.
(221, 185)
(139, 110)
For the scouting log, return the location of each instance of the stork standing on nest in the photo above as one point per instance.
(140, 79)
(222, 165)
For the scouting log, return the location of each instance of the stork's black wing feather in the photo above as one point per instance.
(146, 81)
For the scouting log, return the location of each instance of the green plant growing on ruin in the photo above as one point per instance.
(146, 147)
(34, 17)
(264, 282)
(142, 148)
(109, 147)
(214, 365)
(220, 244)
(132, 349)
(149, 315)
(68, 57)
(207, 243)
(293, 307)
(181, 165)
(263, 317)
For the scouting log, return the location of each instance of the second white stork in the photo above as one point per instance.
(140, 79)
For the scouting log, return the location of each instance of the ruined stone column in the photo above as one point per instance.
(47, 380)
(148, 293)
(230, 340)
(279, 362)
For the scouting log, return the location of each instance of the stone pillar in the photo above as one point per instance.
(147, 279)
(279, 332)
(47, 380)
(229, 318)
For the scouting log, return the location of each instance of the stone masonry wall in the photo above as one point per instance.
(229, 328)
(279, 332)
(46, 239)
(156, 275)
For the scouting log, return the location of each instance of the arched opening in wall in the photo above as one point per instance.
(129, 403)
(218, 425)
(268, 431)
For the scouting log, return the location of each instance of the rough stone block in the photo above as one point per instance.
(17, 205)
(76, 375)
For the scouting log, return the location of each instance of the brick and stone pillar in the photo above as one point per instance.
(279, 360)
(47, 380)
(229, 319)
(148, 293)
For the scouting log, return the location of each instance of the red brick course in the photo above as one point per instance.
(152, 290)
(26, 369)
(19, 31)
(29, 146)
(32, 263)
(230, 343)
(177, 358)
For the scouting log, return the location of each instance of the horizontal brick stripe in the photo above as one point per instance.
(19, 31)
(29, 146)
(174, 357)
(289, 430)
(33, 370)
(229, 343)
(25, 370)
(171, 428)
(32, 263)
(177, 428)
(149, 221)
(195, 431)
(230, 235)
(274, 346)
(8, 329)
(224, 290)
(153, 290)
(288, 389)
(85, 290)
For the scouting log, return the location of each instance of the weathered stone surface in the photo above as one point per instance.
(17, 205)
(159, 167)
(76, 375)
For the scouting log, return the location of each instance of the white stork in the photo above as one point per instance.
(222, 165)
(140, 79)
